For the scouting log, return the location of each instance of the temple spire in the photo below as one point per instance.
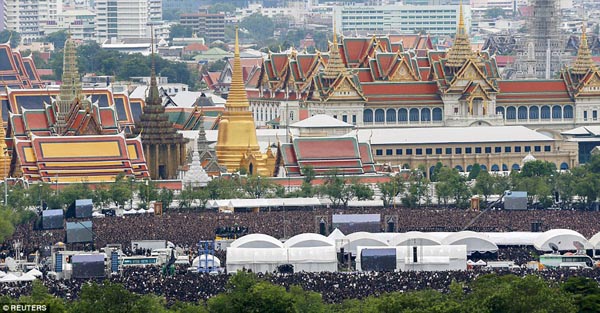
(583, 63)
(461, 49)
(153, 97)
(70, 89)
(335, 65)
(237, 97)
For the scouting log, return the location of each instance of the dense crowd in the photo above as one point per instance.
(186, 229)
(334, 287)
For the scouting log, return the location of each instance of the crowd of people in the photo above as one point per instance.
(334, 287)
(186, 229)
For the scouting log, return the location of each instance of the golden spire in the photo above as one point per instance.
(461, 50)
(237, 97)
(583, 62)
(335, 65)
(70, 89)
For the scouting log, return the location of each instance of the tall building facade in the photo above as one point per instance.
(2, 4)
(155, 10)
(27, 17)
(121, 19)
(209, 26)
(404, 19)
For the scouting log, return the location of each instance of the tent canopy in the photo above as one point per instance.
(563, 238)
(308, 240)
(256, 241)
(475, 242)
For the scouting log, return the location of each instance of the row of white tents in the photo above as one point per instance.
(12, 277)
(313, 252)
(284, 202)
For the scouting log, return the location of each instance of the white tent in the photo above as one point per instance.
(595, 241)
(206, 259)
(308, 240)
(563, 238)
(257, 259)
(26, 277)
(256, 241)
(2, 274)
(336, 234)
(315, 259)
(414, 238)
(9, 278)
(362, 239)
(475, 242)
(35, 272)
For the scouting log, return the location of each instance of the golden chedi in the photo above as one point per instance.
(237, 147)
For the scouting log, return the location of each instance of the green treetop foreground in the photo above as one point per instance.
(245, 293)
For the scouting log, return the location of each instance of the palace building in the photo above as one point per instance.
(390, 82)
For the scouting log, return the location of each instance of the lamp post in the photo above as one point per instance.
(131, 180)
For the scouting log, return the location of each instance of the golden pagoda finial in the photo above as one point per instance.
(237, 97)
(461, 20)
(335, 65)
(583, 62)
(70, 88)
(461, 49)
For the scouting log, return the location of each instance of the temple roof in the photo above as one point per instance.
(342, 154)
(80, 158)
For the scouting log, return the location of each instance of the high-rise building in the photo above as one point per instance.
(211, 27)
(121, 19)
(2, 3)
(405, 19)
(27, 17)
(155, 10)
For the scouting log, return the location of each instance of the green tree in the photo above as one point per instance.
(417, 189)
(585, 292)
(166, 197)
(221, 7)
(337, 190)
(101, 196)
(224, 188)
(436, 171)
(120, 191)
(110, 297)
(57, 38)
(391, 189)
(494, 13)
(15, 37)
(475, 169)
(485, 184)
(180, 31)
(455, 184)
(258, 187)
(361, 191)
(538, 168)
(147, 192)
(7, 227)
(259, 26)
(217, 66)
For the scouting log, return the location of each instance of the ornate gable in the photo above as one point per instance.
(345, 89)
(470, 73)
(403, 72)
(590, 84)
